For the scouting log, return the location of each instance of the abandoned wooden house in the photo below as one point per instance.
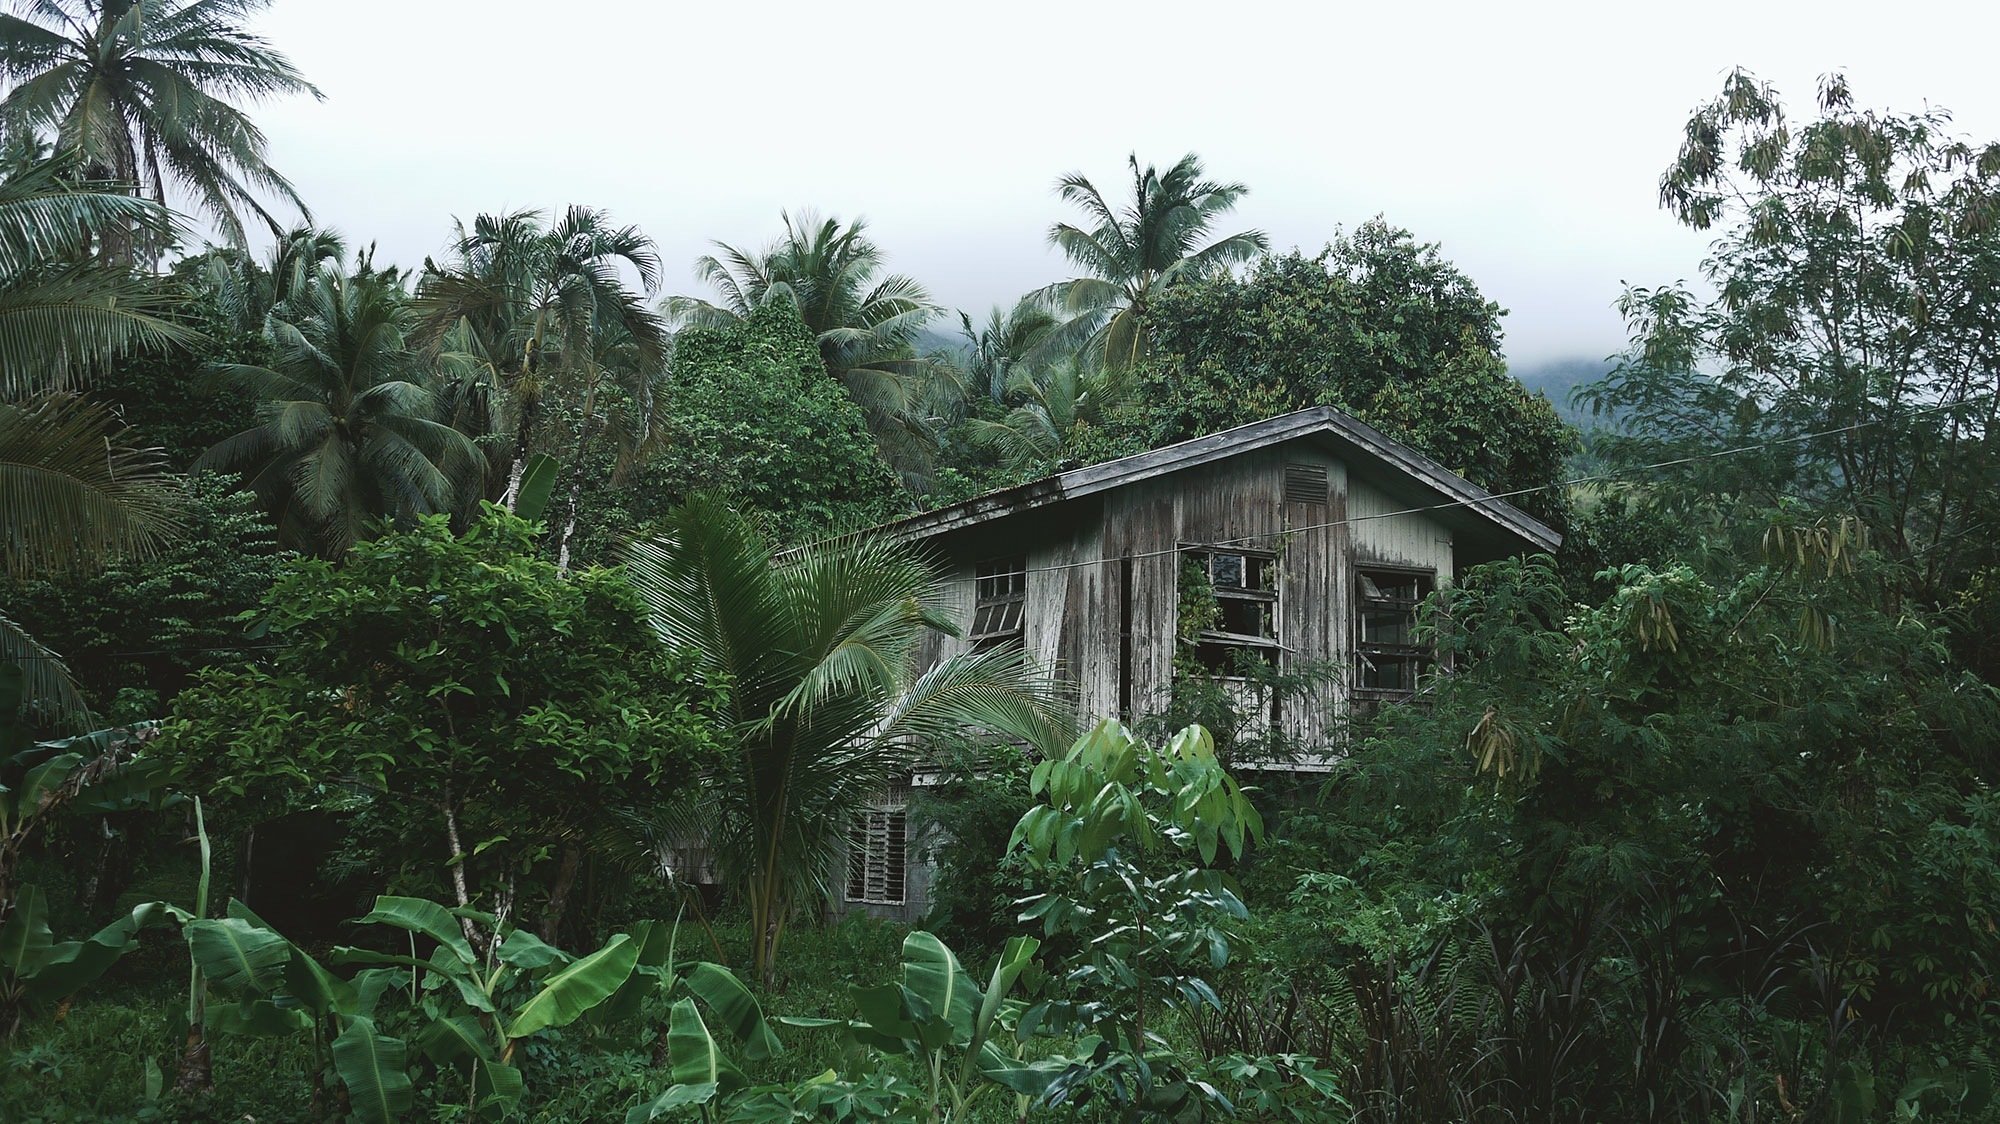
(1315, 536)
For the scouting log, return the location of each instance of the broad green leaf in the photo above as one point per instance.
(25, 938)
(453, 1039)
(933, 974)
(371, 1065)
(737, 1009)
(369, 986)
(537, 479)
(680, 1096)
(41, 780)
(321, 991)
(426, 917)
(237, 957)
(70, 965)
(496, 1088)
(258, 1018)
(890, 1015)
(693, 1056)
(655, 942)
(577, 988)
(1014, 959)
(523, 949)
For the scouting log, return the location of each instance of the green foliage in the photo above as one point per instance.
(748, 414)
(135, 633)
(1127, 839)
(864, 321)
(815, 656)
(1675, 831)
(37, 971)
(1849, 348)
(140, 92)
(1131, 254)
(1378, 325)
(495, 712)
(349, 433)
(935, 1016)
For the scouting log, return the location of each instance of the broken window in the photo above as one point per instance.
(1390, 657)
(1000, 603)
(1237, 609)
(878, 850)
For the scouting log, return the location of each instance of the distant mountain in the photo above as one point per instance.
(942, 334)
(1557, 378)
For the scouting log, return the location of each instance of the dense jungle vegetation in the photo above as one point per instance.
(374, 638)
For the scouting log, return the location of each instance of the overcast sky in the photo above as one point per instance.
(1528, 140)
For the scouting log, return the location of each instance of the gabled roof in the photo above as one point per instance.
(1458, 502)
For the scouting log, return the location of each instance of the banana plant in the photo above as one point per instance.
(934, 1014)
(37, 971)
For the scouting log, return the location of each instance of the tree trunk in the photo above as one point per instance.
(197, 1074)
(458, 857)
(243, 865)
(572, 863)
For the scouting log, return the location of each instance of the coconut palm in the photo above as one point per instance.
(815, 655)
(866, 323)
(1006, 341)
(1130, 253)
(347, 434)
(62, 314)
(245, 290)
(144, 94)
(75, 489)
(1051, 406)
(524, 307)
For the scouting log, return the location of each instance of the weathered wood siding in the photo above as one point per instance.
(1077, 554)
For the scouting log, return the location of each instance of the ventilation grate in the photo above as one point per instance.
(1305, 483)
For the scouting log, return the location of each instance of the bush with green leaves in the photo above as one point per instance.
(1709, 842)
(491, 712)
(135, 633)
(747, 413)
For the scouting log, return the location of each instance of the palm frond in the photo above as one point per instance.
(74, 488)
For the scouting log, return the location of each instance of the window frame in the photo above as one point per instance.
(989, 593)
(1421, 658)
(880, 876)
(1268, 596)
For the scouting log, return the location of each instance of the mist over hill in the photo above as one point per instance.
(1558, 378)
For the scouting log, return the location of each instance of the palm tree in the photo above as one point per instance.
(523, 308)
(348, 433)
(866, 323)
(815, 655)
(75, 489)
(1006, 341)
(1129, 254)
(142, 91)
(246, 291)
(1051, 405)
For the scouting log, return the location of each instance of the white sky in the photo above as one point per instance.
(1527, 139)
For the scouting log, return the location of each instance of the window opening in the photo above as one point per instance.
(1391, 660)
(1239, 622)
(878, 850)
(1000, 603)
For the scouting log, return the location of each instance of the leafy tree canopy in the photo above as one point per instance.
(747, 413)
(1377, 324)
(495, 710)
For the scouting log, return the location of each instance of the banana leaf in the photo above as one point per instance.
(371, 1066)
(576, 989)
